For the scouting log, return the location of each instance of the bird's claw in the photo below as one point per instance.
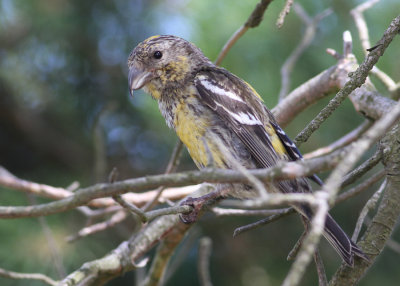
(196, 204)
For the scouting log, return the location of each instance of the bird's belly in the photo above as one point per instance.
(192, 128)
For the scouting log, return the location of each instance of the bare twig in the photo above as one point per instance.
(331, 187)
(361, 24)
(393, 245)
(130, 207)
(93, 214)
(10, 181)
(305, 95)
(229, 44)
(296, 247)
(360, 146)
(124, 257)
(283, 170)
(311, 27)
(241, 212)
(253, 21)
(362, 169)
(116, 218)
(362, 28)
(347, 44)
(395, 93)
(383, 222)
(150, 215)
(28, 276)
(341, 142)
(369, 206)
(361, 187)
(283, 13)
(333, 53)
(203, 265)
(357, 78)
(322, 280)
(262, 222)
(310, 241)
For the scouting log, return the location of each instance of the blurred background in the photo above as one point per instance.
(66, 116)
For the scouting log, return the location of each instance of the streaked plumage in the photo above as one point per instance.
(207, 105)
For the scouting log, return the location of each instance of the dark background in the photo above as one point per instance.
(66, 115)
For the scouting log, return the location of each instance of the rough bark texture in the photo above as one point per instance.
(382, 224)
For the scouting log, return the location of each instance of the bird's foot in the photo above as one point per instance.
(196, 204)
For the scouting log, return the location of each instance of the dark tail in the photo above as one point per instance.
(346, 248)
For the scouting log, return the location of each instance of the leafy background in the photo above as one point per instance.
(66, 115)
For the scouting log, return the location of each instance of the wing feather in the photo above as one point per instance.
(225, 95)
(228, 95)
(292, 150)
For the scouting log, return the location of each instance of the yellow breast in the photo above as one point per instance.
(192, 130)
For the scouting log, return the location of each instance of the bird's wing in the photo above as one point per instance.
(242, 111)
(292, 150)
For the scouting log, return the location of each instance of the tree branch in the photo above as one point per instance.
(309, 34)
(253, 21)
(28, 276)
(283, 170)
(357, 78)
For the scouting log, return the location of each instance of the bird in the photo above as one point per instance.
(223, 122)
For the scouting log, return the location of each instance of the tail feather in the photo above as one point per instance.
(346, 248)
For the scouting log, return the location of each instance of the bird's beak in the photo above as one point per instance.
(138, 78)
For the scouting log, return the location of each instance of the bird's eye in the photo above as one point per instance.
(157, 55)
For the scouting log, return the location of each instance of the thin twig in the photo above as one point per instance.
(262, 222)
(357, 78)
(333, 53)
(116, 218)
(283, 13)
(296, 247)
(395, 92)
(319, 264)
(253, 21)
(283, 170)
(309, 34)
(361, 187)
(393, 245)
(203, 264)
(10, 181)
(240, 212)
(28, 276)
(98, 213)
(361, 24)
(370, 205)
(332, 184)
(341, 142)
(362, 169)
(357, 14)
(360, 146)
(228, 45)
(310, 241)
(150, 215)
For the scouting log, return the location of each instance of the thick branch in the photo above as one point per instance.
(283, 170)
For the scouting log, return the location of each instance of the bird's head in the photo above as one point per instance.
(161, 62)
